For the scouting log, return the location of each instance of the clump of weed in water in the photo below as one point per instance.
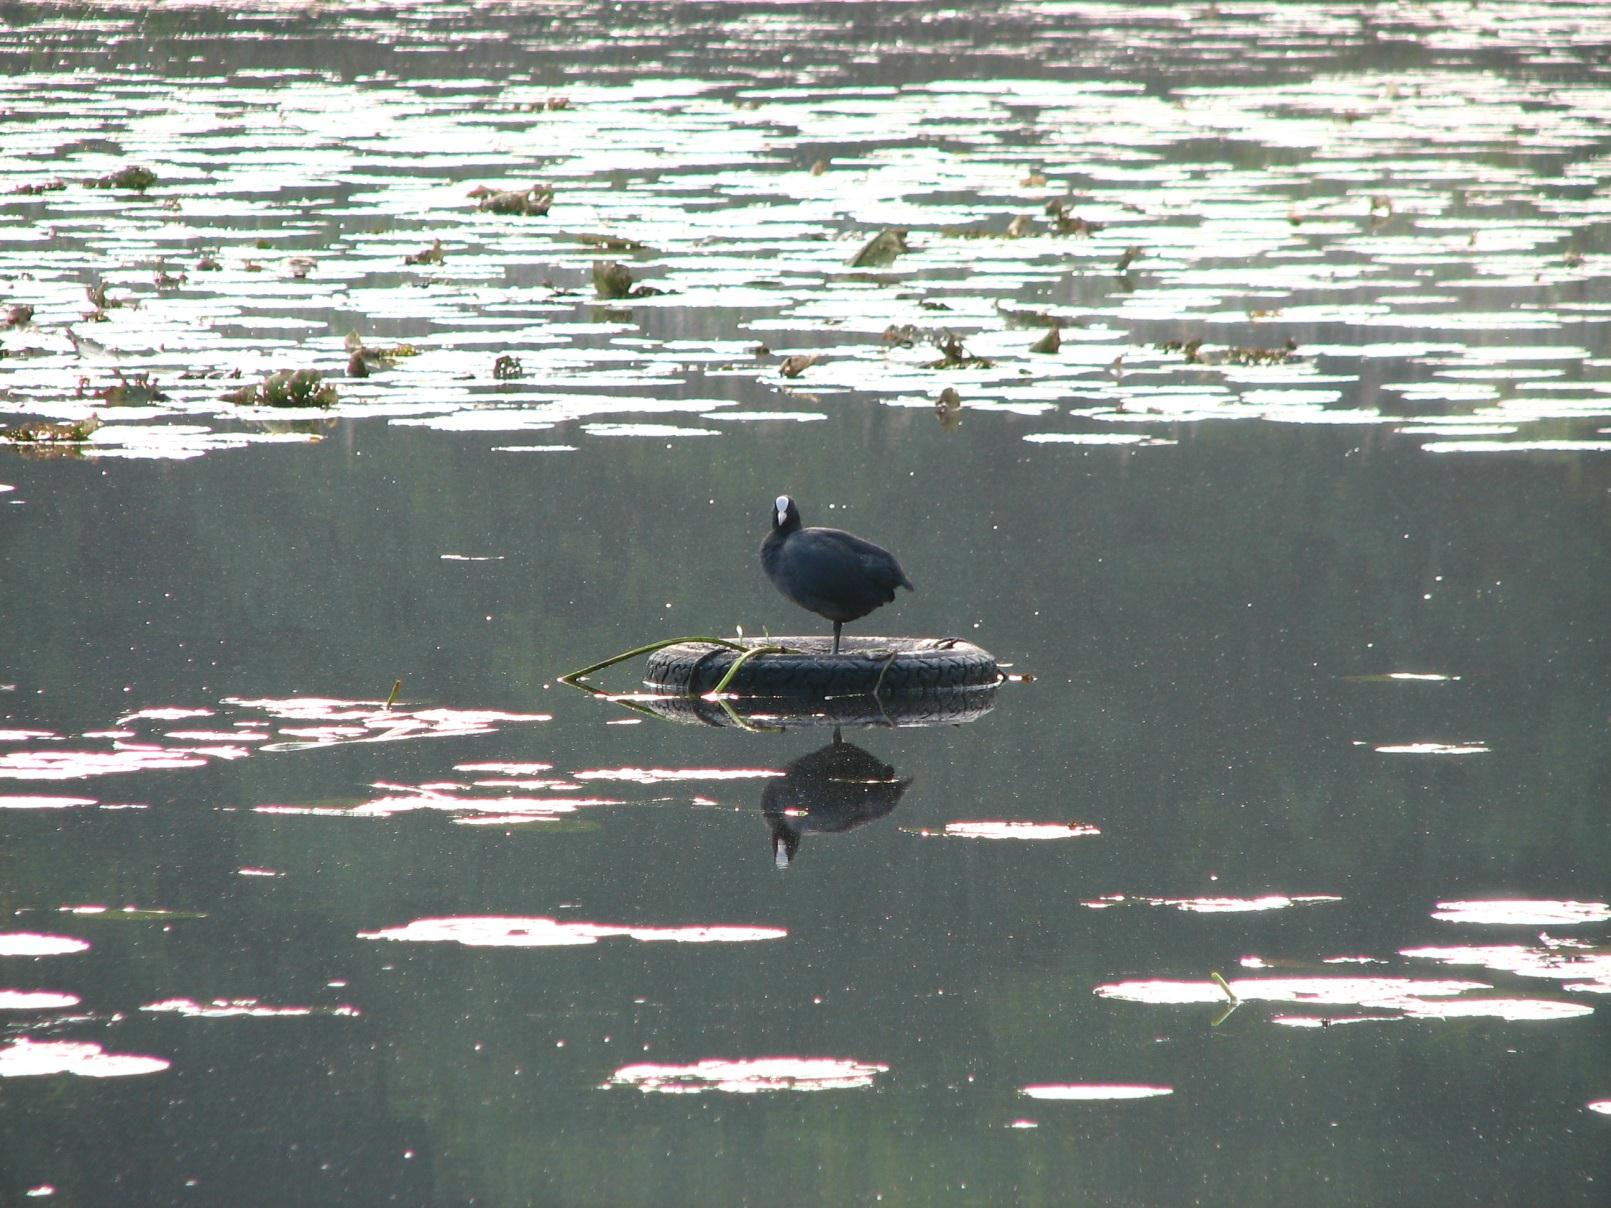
(953, 355)
(881, 249)
(46, 432)
(532, 202)
(286, 388)
(131, 177)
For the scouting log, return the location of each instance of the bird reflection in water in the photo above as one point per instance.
(836, 788)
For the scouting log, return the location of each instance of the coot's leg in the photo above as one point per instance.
(836, 626)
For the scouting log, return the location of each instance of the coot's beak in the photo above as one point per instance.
(783, 517)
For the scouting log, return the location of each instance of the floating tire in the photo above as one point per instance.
(891, 667)
(949, 707)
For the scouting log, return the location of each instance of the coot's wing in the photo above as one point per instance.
(873, 561)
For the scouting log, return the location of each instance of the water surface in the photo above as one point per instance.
(1284, 881)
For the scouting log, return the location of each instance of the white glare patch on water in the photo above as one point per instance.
(1093, 1091)
(1012, 830)
(321, 722)
(1456, 430)
(1095, 438)
(750, 1076)
(1520, 1009)
(1523, 913)
(27, 943)
(1517, 446)
(35, 1000)
(505, 932)
(43, 803)
(1328, 1021)
(232, 1008)
(507, 769)
(663, 775)
(646, 430)
(1330, 991)
(1603, 1106)
(1433, 748)
(1556, 960)
(74, 765)
(1221, 905)
(291, 724)
(26, 1058)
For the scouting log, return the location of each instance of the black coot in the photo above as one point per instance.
(833, 573)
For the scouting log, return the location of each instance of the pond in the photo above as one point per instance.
(1275, 471)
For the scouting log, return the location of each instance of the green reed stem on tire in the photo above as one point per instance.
(722, 683)
(573, 676)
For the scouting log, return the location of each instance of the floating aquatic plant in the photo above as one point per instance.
(881, 249)
(286, 388)
(1192, 351)
(1051, 341)
(361, 356)
(611, 243)
(611, 279)
(44, 186)
(130, 177)
(1065, 222)
(43, 431)
(954, 355)
(794, 366)
(430, 255)
(136, 389)
(532, 202)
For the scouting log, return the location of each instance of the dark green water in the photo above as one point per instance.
(1315, 675)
